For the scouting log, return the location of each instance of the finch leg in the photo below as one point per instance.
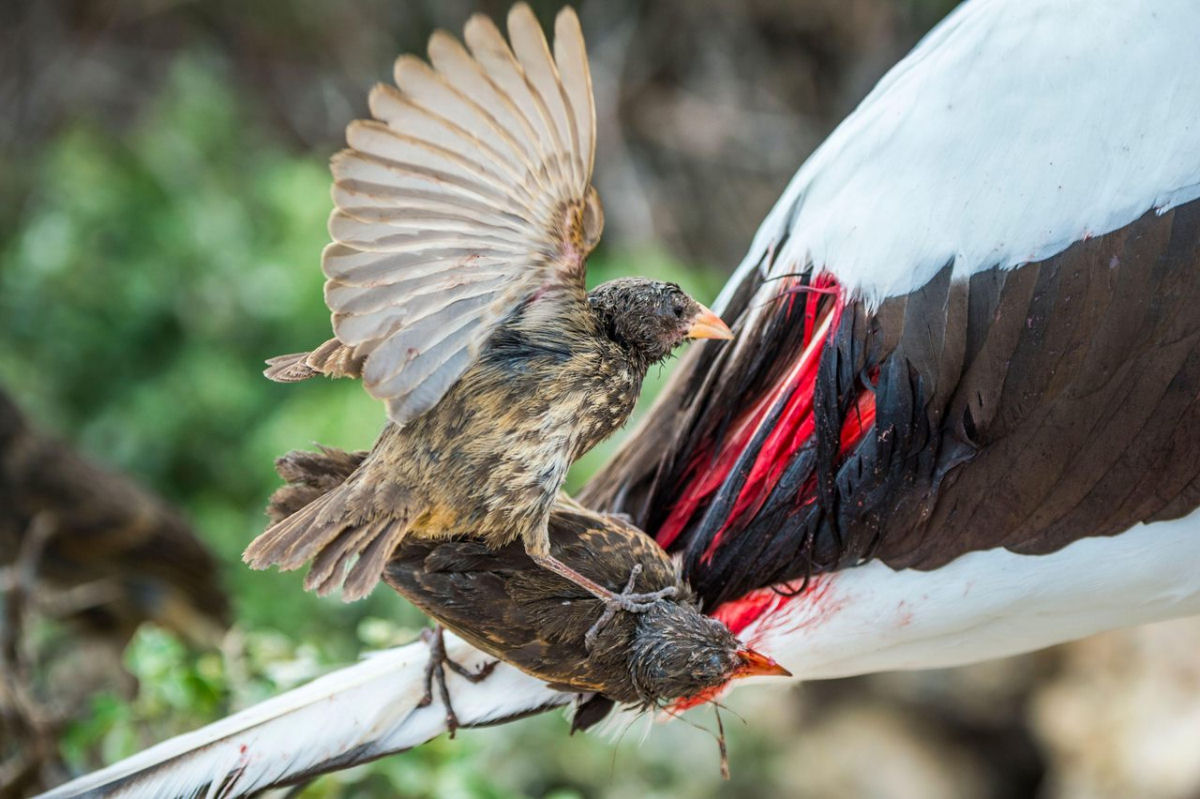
(435, 672)
(627, 600)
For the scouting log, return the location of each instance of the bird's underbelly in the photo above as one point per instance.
(492, 468)
(495, 488)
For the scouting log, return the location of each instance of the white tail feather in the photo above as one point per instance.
(347, 717)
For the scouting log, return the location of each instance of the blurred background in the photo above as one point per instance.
(163, 195)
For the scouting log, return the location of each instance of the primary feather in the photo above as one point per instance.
(349, 716)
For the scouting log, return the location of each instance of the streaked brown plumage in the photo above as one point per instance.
(502, 602)
(456, 281)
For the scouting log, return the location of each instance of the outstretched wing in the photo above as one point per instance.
(467, 195)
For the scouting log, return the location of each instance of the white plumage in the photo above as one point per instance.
(984, 605)
(367, 710)
(1015, 128)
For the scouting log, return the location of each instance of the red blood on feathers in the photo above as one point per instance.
(794, 427)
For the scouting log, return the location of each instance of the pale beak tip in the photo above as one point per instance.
(707, 324)
(755, 664)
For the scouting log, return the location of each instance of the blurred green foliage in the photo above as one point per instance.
(143, 284)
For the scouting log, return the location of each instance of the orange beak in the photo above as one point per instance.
(707, 324)
(750, 664)
(755, 664)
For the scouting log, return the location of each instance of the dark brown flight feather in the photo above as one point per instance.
(1022, 408)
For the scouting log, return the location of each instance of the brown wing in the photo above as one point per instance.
(466, 195)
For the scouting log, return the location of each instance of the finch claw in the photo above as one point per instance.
(627, 601)
(435, 673)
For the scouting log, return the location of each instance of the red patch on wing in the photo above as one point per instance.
(794, 428)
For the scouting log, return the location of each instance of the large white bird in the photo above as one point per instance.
(961, 418)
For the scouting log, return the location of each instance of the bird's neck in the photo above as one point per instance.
(637, 358)
(638, 364)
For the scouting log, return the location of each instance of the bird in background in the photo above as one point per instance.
(86, 548)
(960, 420)
(464, 215)
(104, 532)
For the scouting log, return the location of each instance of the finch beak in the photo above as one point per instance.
(754, 664)
(750, 664)
(706, 324)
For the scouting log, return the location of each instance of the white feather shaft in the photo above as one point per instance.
(347, 717)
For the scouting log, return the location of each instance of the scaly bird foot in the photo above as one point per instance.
(627, 600)
(435, 671)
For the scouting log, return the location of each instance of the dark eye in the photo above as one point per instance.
(678, 309)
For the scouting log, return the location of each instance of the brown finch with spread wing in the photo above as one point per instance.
(464, 214)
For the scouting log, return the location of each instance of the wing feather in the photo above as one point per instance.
(375, 138)
(364, 168)
(364, 268)
(443, 305)
(571, 57)
(494, 56)
(467, 77)
(369, 201)
(360, 300)
(529, 46)
(462, 199)
(396, 236)
(430, 93)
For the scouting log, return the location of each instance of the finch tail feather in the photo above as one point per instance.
(308, 476)
(332, 359)
(289, 368)
(313, 520)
